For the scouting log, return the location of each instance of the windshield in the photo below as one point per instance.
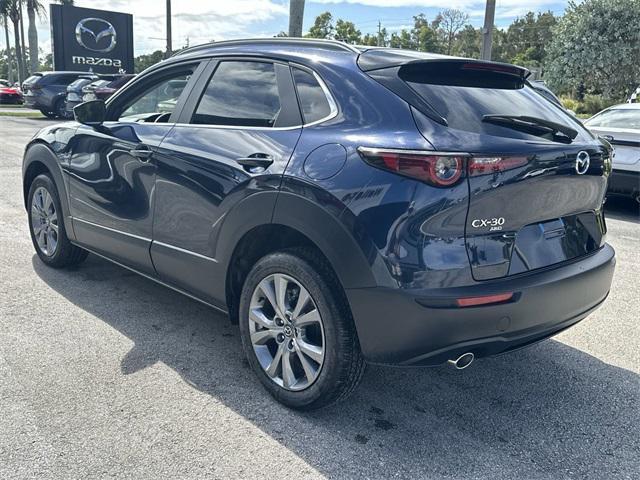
(616, 118)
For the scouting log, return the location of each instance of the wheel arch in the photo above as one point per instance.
(39, 159)
(296, 222)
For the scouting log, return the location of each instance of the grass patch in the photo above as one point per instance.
(22, 114)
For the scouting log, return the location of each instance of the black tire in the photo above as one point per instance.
(59, 109)
(47, 114)
(65, 253)
(343, 364)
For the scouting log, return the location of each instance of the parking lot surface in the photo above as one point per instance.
(106, 374)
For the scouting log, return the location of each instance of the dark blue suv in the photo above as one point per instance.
(343, 205)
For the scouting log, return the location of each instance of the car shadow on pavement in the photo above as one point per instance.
(549, 411)
(622, 208)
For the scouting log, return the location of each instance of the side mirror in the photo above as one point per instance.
(92, 113)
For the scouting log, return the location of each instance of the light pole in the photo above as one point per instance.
(487, 31)
(169, 49)
(296, 14)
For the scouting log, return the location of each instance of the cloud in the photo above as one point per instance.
(461, 4)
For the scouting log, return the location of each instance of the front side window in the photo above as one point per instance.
(313, 101)
(159, 99)
(617, 118)
(240, 94)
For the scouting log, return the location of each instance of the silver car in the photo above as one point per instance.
(620, 125)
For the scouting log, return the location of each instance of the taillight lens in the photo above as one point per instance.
(487, 165)
(440, 170)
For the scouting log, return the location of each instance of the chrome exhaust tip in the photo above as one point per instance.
(463, 361)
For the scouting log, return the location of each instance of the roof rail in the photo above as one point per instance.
(316, 42)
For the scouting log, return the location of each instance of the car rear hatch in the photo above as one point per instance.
(536, 177)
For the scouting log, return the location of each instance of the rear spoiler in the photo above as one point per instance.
(386, 67)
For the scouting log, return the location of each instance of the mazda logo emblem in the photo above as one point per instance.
(582, 162)
(91, 32)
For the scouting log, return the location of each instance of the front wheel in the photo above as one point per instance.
(297, 330)
(46, 224)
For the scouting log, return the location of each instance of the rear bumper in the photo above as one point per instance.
(624, 182)
(407, 327)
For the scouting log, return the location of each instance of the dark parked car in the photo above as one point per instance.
(74, 92)
(343, 205)
(9, 94)
(103, 90)
(46, 91)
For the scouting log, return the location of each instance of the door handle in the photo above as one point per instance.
(256, 160)
(142, 153)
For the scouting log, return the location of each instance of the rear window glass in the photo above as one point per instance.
(313, 101)
(617, 118)
(463, 97)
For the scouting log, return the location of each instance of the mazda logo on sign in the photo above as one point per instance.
(582, 162)
(91, 32)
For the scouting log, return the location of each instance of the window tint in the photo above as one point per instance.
(617, 118)
(240, 94)
(463, 97)
(159, 98)
(313, 101)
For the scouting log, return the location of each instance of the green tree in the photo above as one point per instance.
(596, 44)
(528, 38)
(347, 32)
(370, 40)
(142, 62)
(14, 8)
(322, 27)
(467, 42)
(450, 22)
(4, 20)
(401, 40)
(424, 36)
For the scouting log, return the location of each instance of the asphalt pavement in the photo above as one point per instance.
(106, 374)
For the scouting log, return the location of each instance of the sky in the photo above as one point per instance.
(200, 21)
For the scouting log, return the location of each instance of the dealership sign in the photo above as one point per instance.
(91, 40)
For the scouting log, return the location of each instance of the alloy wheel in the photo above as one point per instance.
(287, 333)
(44, 221)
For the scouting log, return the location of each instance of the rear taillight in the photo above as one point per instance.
(487, 165)
(438, 169)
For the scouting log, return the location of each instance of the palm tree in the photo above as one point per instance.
(4, 20)
(14, 11)
(34, 7)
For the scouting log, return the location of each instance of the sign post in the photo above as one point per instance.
(88, 40)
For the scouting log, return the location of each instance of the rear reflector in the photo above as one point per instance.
(438, 169)
(486, 165)
(486, 300)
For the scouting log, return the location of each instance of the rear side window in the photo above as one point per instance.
(313, 101)
(464, 95)
(240, 94)
(617, 118)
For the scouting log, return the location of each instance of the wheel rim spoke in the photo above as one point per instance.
(308, 318)
(286, 332)
(288, 377)
(312, 351)
(272, 369)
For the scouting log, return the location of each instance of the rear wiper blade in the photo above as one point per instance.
(508, 120)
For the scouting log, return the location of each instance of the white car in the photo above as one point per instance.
(620, 125)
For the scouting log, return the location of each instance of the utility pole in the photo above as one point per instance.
(169, 49)
(379, 33)
(487, 31)
(296, 14)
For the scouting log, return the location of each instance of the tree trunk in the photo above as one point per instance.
(9, 59)
(33, 40)
(16, 38)
(22, 44)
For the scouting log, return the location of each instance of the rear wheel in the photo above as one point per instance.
(60, 110)
(48, 114)
(46, 224)
(297, 331)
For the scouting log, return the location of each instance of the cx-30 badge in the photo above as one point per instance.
(90, 32)
(582, 162)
